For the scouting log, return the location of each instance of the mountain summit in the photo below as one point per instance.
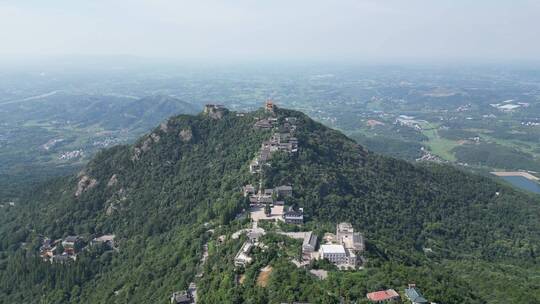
(175, 196)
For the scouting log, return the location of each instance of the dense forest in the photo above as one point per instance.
(496, 156)
(396, 148)
(179, 187)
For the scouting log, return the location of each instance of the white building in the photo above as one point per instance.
(346, 247)
(351, 240)
(336, 254)
(242, 258)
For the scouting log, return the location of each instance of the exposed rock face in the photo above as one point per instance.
(113, 181)
(155, 137)
(115, 201)
(146, 145)
(214, 111)
(81, 173)
(164, 126)
(216, 114)
(136, 154)
(186, 135)
(110, 209)
(85, 183)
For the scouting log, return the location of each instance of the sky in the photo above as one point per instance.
(269, 30)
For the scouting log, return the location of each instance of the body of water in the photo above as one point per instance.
(523, 183)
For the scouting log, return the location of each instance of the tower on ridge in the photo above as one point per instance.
(270, 105)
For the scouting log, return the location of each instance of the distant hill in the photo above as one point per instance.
(109, 112)
(160, 196)
(136, 115)
(148, 111)
(77, 122)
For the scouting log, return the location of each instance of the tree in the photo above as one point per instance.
(267, 209)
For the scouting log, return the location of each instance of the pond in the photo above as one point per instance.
(523, 183)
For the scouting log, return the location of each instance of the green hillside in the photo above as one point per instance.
(179, 187)
(33, 137)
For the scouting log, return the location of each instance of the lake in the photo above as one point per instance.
(523, 183)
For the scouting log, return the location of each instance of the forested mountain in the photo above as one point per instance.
(461, 237)
(37, 131)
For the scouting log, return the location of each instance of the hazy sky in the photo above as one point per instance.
(359, 30)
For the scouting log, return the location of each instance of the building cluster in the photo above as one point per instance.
(427, 156)
(344, 248)
(409, 122)
(271, 199)
(243, 256)
(182, 297)
(280, 142)
(282, 139)
(266, 123)
(52, 251)
(67, 249)
(71, 155)
(258, 197)
(412, 294)
(530, 123)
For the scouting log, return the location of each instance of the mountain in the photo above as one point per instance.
(461, 237)
(144, 113)
(83, 110)
(36, 132)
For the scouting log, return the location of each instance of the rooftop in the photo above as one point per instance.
(291, 213)
(71, 239)
(284, 188)
(345, 227)
(309, 239)
(181, 297)
(105, 238)
(382, 295)
(333, 249)
(414, 295)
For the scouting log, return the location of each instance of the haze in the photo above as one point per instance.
(298, 30)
